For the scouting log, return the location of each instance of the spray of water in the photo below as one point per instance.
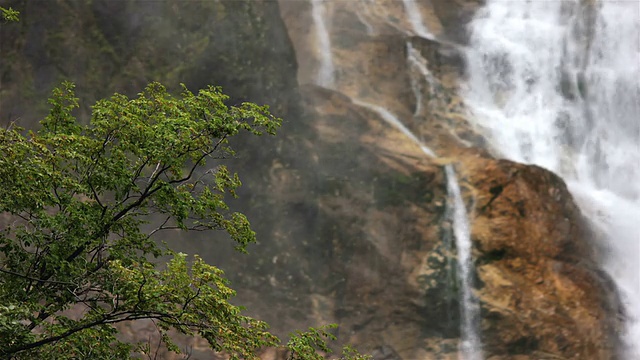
(556, 83)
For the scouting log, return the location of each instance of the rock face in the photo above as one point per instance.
(351, 214)
(541, 291)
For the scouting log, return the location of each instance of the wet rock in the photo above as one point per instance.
(541, 289)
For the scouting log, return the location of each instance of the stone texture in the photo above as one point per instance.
(541, 291)
(540, 288)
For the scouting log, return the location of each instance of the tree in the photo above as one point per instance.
(9, 14)
(75, 200)
(77, 197)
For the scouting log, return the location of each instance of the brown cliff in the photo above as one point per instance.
(541, 291)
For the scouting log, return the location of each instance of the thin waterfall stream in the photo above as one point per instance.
(415, 18)
(325, 76)
(392, 120)
(470, 344)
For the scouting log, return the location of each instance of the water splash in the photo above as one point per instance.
(556, 83)
(326, 72)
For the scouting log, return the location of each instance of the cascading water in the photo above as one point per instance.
(393, 121)
(325, 76)
(424, 84)
(413, 14)
(470, 346)
(416, 84)
(556, 83)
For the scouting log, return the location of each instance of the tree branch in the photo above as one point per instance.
(110, 319)
(9, 272)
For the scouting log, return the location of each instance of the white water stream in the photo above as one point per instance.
(557, 83)
(415, 19)
(392, 120)
(325, 76)
(470, 344)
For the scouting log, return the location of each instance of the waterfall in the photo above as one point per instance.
(414, 59)
(363, 7)
(423, 82)
(556, 83)
(470, 347)
(325, 76)
(392, 120)
(415, 19)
